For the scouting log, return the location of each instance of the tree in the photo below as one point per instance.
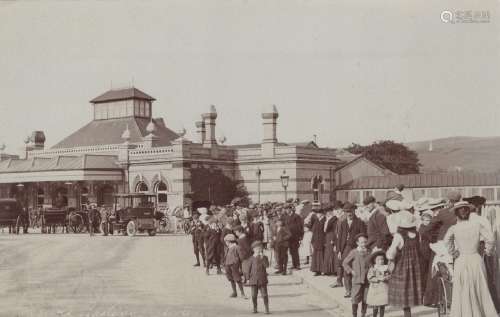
(394, 156)
(214, 186)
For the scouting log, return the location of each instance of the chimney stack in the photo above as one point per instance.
(270, 140)
(209, 124)
(38, 140)
(200, 131)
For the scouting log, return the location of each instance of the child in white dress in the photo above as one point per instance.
(378, 276)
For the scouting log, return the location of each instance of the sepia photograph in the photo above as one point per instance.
(227, 158)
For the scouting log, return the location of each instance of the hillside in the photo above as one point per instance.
(475, 154)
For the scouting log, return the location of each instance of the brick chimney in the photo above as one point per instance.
(270, 140)
(201, 131)
(209, 123)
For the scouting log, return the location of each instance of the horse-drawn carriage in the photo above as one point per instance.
(51, 218)
(13, 216)
(137, 215)
(83, 220)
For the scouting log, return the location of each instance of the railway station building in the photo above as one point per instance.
(125, 149)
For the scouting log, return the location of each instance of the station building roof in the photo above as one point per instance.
(103, 132)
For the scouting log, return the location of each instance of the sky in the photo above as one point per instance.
(344, 70)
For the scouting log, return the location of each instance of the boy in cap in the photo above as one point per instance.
(280, 243)
(232, 264)
(258, 263)
(359, 258)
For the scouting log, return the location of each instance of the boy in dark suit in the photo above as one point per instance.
(356, 264)
(281, 246)
(258, 263)
(232, 263)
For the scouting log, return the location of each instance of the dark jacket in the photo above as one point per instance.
(295, 225)
(233, 255)
(378, 232)
(347, 235)
(318, 233)
(257, 270)
(245, 247)
(197, 229)
(256, 231)
(282, 237)
(442, 222)
(331, 232)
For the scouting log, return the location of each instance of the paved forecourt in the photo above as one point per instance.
(76, 275)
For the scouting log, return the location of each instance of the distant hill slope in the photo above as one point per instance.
(469, 154)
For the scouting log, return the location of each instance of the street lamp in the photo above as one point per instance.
(284, 182)
(258, 173)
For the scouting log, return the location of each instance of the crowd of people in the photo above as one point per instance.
(382, 253)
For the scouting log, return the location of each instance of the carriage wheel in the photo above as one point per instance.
(443, 299)
(131, 228)
(152, 232)
(19, 223)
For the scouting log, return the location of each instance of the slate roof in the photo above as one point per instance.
(425, 181)
(122, 94)
(103, 132)
(63, 162)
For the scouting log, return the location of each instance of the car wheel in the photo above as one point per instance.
(131, 228)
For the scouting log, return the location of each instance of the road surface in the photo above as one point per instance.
(116, 276)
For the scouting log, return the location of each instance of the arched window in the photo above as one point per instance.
(141, 187)
(161, 191)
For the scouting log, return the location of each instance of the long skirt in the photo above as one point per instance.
(405, 285)
(471, 296)
(329, 260)
(317, 260)
(305, 245)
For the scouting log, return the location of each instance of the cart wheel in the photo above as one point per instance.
(18, 224)
(152, 232)
(131, 228)
(443, 299)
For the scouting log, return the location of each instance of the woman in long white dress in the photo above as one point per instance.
(471, 296)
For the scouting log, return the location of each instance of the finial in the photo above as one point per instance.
(151, 127)
(182, 132)
(222, 139)
(126, 134)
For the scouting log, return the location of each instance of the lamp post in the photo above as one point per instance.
(284, 182)
(258, 173)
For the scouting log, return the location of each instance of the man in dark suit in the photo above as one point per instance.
(281, 246)
(377, 229)
(350, 227)
(295, 224)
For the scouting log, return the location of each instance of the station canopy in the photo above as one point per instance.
(86, 167)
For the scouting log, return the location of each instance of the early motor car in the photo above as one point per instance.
(134, 213)
(13, 215)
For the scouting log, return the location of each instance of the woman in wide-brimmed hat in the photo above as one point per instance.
(471, 296)
(405, 285)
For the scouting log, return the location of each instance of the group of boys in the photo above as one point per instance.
(239, 252)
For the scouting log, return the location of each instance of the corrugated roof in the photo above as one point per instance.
(104, 132)
(122, 94)
(425, 181)
(64, 162)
